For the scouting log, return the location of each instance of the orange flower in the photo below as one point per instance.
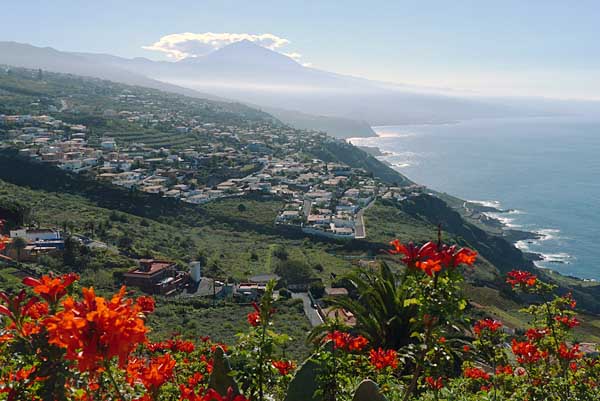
(527, 352)
(152, 374)
(37, 310)
(51, 289)
(382, 359)
(567, 321)
(450, 257)
(569, 354)
(357, 343)
(518, 278)
(466, 256)
(504, 370)
(430, 266)
(284, 367)
(486, 324)
(476, 373)
(347, 341)
(96, 330)
(412, 254)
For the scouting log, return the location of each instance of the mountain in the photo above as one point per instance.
(47, 58)
(300, 96)
(136, 71)
(254, 74)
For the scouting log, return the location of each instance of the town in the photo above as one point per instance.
(324, 199)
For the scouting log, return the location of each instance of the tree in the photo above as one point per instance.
(19, 244)
(294, 271)
(381, 311)
(241, 208)
(71, 253)
(125, 242)
(279, 252)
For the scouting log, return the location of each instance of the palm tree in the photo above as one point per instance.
(383, 310)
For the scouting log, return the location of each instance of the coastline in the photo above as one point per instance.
(490, 216)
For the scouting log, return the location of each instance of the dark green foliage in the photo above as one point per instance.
(14, 212)
(294, 271)
(317, 289)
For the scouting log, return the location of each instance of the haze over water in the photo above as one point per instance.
(546, 169)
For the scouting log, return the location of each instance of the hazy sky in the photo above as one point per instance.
(525, 47)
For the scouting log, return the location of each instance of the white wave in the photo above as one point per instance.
(401, 165)
(556, 257)
(548, 233)
(389, 134)
(487, 203)
(523, 245)
(502, 218)
(553, 258)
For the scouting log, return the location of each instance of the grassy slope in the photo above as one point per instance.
(233, 237)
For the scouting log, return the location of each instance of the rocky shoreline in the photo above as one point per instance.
(481, 213)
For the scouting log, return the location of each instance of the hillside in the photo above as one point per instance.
(235, 234)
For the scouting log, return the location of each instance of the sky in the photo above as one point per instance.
(544, 48)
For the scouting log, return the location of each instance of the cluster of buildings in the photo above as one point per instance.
(33, 243)
(197, 161)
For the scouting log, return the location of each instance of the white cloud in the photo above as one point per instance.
(182, 45)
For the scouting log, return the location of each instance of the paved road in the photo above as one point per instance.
(306, 207)
(361, 230)
(310, 312)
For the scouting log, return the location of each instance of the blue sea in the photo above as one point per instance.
(546, 170)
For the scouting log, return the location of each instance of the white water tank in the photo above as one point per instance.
(195, 271)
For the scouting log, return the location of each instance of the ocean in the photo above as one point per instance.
(545, 170)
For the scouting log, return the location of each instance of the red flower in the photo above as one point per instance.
(476, 373)
(284, 367)
(450, 257)
(412, 254)
(527, 352)
(567, 321)
(382, 359)
(504, 370)
(347, 341)
(536, 334)
(465, 256)
(568, 298)
(442, 340)
(146, 304)
(13, 308)
(466, 348)
(521, 278)
(357, 343)
(50, 288)
(489, 324)
(435, 384)
(569, 354)
(254, 319)
(176, 345)
(188, 394)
